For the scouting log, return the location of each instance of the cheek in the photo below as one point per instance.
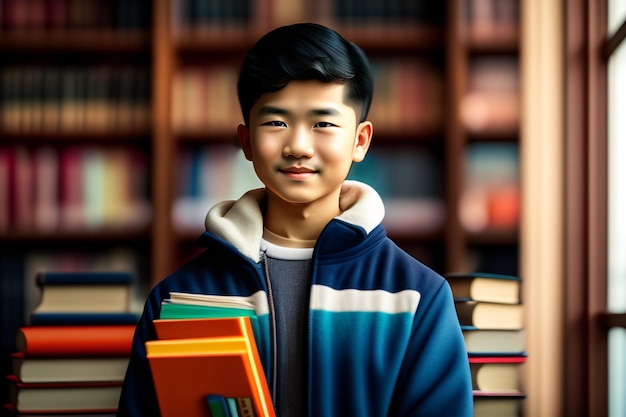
(266, 149)
(340, 151)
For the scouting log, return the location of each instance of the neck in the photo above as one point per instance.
(300, 222)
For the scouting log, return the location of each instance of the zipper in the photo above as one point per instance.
(273, 330)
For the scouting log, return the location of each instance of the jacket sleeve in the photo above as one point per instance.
(435, 379)
(138, 398)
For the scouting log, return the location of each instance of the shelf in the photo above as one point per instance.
(497, 42)
(226, 41)
(494, 237)
(494, 135)
(75, 41)
(207, 138)
(401, 38)
(74, 137)
(67, 237)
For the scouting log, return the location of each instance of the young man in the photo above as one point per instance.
(352, 325)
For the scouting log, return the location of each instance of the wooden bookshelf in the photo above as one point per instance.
(445, 39)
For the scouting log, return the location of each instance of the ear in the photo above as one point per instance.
(364, 132)
(243, 133)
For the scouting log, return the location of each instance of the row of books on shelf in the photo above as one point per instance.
(199, 14)
(414, 205)
(491, 192)
(409, 93)
(388, 12)
(489, 19)
(209, 174)
(72, 188)
(206, 175)
(72, 355)
(74, 99)
(490, 311)
(243, 14)
(39, 15)
(492, 98)
(205, 98)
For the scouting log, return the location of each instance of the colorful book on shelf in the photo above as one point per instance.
(215, 356)
(487, 287)
(496, 342)
(482, 315)
(75, 341)
(496, 374)
(53, 398)
(70, 369)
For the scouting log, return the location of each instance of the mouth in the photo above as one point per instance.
(298, 172)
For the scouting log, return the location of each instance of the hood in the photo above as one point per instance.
(240, 222)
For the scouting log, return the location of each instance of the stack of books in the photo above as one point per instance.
(72, 356)
(208, 344)
(490, 312)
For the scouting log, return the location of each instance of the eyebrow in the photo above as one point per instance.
(267, 110)
(273, 110)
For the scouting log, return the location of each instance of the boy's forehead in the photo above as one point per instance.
(310, 93)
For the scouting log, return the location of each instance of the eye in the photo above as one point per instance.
(275, 123)
(323, 124)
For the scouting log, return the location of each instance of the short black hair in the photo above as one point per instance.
(305, 51)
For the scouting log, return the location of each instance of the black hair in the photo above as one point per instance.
(305, 51)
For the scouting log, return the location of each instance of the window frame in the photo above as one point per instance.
(586, 53)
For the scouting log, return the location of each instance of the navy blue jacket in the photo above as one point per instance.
(383, 334)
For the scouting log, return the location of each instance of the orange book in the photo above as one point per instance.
(206, 356)
(200, 327)
(52, 341)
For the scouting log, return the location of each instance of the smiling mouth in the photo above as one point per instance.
(298, 172)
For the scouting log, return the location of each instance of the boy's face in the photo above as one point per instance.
(303, 139)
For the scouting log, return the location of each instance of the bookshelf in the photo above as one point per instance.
(447, 86)
(139, 61)
(162, 89)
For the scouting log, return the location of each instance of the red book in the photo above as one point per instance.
(57, 341)
(55, 398)
(5, 188)
(71, 198)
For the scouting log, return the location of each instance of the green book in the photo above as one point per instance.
(218, 405)
(211, 308)
(190, 311)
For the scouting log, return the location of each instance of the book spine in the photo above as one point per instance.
(52, 341)
(513, 359)
(82, 319)
(84, 278)
(244, 406)
(218, 405)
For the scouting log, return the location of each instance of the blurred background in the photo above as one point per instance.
(114, 120)
(118, 122)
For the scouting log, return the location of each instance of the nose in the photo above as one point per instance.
(299, 144)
